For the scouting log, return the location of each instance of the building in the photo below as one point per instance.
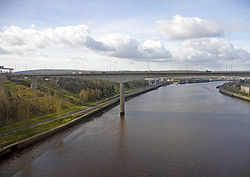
(245, 89)
(5, 70)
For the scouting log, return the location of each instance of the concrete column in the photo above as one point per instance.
(34, 82)
(57, 82)
(122, 99)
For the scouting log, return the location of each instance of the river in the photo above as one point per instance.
(177, 130)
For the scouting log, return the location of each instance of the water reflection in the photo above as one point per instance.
(120, 144)
(122, 133)
(184, 130)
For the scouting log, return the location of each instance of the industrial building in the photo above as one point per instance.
(5, 70)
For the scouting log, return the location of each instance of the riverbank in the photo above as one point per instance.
(228, 93)
(178, 130)
(86, 115)
(75, 111)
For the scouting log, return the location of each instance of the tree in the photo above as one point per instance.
(57, 103)
(5, 106)
(84, 96)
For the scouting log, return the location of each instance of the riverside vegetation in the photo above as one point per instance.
(235, 87)
(21, 105)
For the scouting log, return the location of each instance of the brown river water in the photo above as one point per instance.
(177, 130)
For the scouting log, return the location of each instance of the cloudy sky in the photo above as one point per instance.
(125, 35)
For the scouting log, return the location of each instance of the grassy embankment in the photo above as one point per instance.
(69, 100)
(19, 93)
(13, 137)
(235, 91)
(19, 135)
(20, 90)
(38, 119)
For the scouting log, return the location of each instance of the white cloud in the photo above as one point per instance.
(32, 26)
(188, 27)
(210, 52)
(59, 42)
(124, 46)
(2, 51)
(15, 40)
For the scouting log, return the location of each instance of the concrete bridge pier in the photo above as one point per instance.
(57, 80)
(34, 82)
(122, 99)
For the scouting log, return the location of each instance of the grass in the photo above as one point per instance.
(95, 102)
(245, 94)
(19, 124)
(238, 92)
(116, 93)
(19, 135)
(128, 89)
(69, 97)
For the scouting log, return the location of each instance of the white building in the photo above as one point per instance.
(245, 89)
(5, 70)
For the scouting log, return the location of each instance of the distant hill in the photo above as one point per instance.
(51, 71)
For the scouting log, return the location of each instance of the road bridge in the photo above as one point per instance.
(126, 76)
